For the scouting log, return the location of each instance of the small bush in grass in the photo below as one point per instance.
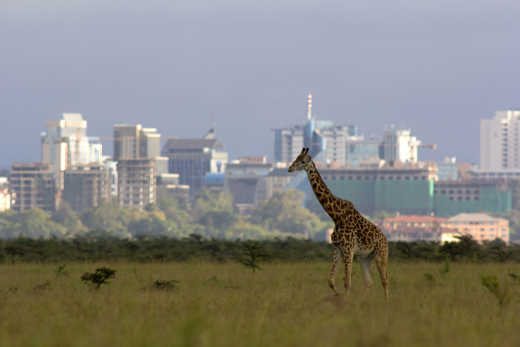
(99, 277)
(251, 253)
(165, 284)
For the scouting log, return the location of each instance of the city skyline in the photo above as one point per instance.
(180, 67)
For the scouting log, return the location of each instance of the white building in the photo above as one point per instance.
(499, 141)
(65, 144)
(5, 195)
(400, 145)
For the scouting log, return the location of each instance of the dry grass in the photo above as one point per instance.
(282, 305)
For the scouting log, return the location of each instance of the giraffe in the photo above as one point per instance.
(353, 233)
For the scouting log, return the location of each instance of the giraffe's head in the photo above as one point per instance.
(302, 161)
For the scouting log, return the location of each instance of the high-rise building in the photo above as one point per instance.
(400, 146)
(288, 143)
(246, 180)
(135, 142)
(33, 186)
(363, 152)
(326, 140)
(193, 159)
(500, 141)
(65, 144)
(137, 185)
(86, 186)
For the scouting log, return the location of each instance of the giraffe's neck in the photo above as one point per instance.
(320, 189)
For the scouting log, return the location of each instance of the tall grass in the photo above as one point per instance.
(282, 305)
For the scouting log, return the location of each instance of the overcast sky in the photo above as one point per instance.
(435, 66)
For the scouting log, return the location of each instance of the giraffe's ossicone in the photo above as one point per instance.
(353, 233)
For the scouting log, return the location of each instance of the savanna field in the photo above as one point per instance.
(283, 304)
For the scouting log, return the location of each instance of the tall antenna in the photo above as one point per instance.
(309, 106)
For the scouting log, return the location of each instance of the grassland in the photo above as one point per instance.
(285, 304)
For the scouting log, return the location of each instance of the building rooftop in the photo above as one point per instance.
(73, 117)
(472, 217)
(415, 219)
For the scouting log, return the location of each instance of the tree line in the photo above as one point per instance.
(195, 247)
(211, 215)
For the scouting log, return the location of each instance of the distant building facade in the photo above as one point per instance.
(363, 152)
(33, 186)
(288, 143)
(321, 136)
(65, 144)
(135, 142)
(454, 197)
(500, 141)
(245, 179)
(480, 226)
(400, 146)
(415, 228)
(137, 185)
(86, 186)
(447, 169)
(193, 159)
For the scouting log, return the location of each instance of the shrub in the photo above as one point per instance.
(99, 277)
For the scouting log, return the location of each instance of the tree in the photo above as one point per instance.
(66, 216)
(285, 212)
(33, 223)
(111, 219)
(214, 211)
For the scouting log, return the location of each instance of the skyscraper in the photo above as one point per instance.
(65, 144)
(400, 146)
(500, 141)
(86, 186)
(327, 141)
(137, 182)
(137, 152)
(135, 142)
(195, 158)
(33, 186)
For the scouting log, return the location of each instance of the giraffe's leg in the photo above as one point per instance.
(381, 262)
(348, 256)
(365, 263)
(332, 274)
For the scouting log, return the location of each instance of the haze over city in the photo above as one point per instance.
(437, 67)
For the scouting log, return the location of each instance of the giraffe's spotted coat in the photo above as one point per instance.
(353, 233)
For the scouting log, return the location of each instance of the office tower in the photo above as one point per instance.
(326, 140)
(33, 186)
(86, 186)
(194, 158)
(135, 142)
(136, 182)
(500, 141)
(400, 146)
(65, 144)
(288, 143)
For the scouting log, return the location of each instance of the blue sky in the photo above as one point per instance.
(437, 67)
